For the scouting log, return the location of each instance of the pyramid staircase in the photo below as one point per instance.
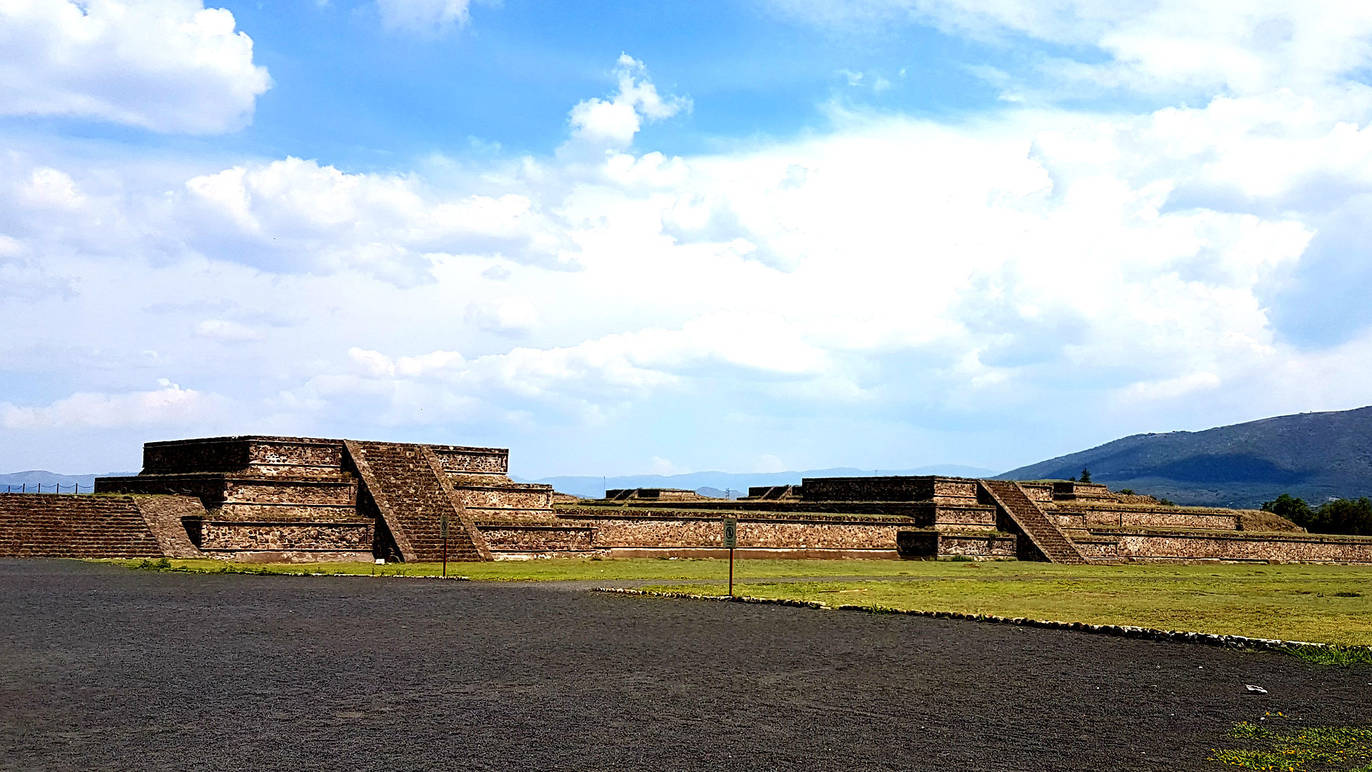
(413, 495)
(1043, 533)
(41, 525)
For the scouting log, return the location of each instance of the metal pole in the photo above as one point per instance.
(445, 545)
(731, 572)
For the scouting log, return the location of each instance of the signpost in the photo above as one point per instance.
(730, 542)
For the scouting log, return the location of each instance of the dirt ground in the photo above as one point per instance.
(103, 667)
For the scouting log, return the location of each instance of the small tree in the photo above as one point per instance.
(1293, 509)
(1086, 475)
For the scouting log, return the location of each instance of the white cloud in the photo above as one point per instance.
(169, 404)
(888, 273)
(164, 65)
(1239, 46)
(613, 122)
(48, 187)
(294, 214)
(424, 15)
(509, 316)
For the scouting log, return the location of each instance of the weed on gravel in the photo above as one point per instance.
(1313, 749)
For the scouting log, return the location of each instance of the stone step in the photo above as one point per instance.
(1042, 532)
(409, 487)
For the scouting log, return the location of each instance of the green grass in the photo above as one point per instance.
(1317, 603)
(1321, 604)
(1269, 746)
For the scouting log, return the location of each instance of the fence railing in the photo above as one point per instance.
(49, 488)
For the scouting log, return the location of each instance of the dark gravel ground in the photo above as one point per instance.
(105, 668)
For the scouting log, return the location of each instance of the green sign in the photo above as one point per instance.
(730, 533)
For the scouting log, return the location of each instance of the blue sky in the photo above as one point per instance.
(677, 236)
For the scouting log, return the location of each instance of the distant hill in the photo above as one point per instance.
(1316, 456)
(734, 482)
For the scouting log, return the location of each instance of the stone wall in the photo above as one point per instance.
(268, 456)
(299, 457)
(930, 544)
(1000, 546)
(209, 488)
(167, 518)
(1068, 489)
(1146, 518)
(540, 540)
(955, 517)
(902, 488)
(772, 534)
(507, 496)
(463, 460)
(617, 531)
(220, 536)
(1272, 548)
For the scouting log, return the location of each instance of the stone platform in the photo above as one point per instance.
(272, 498)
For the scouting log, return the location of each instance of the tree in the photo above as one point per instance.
(1343, 516)
(1291, 508)
(1086, 475)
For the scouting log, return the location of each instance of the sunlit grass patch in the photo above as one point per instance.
(1304, 749)
(1293, 603)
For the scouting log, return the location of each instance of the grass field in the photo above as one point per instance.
(1318, 603)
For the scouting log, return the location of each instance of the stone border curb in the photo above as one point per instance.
(1125, 631)
(302, 573)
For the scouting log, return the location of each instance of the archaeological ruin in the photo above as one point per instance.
(303, 499)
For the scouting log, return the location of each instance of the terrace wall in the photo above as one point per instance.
(620, 531)
(1146, 518)
(1162, 546)
(950, 490)
(240, 537)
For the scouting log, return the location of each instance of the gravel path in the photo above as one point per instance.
(102, 667)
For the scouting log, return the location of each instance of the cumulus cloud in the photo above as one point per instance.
(164, 65)
(890, 273)
(294, 215)
(613, 122)
(169, 404)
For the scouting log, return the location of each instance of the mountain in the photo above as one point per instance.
(34, 478)
(733, 482)
(1316, 456)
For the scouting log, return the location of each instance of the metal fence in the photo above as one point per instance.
(50, 488)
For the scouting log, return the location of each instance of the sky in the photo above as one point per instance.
(670, 236)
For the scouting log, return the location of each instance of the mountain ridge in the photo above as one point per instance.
(1315, 455)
